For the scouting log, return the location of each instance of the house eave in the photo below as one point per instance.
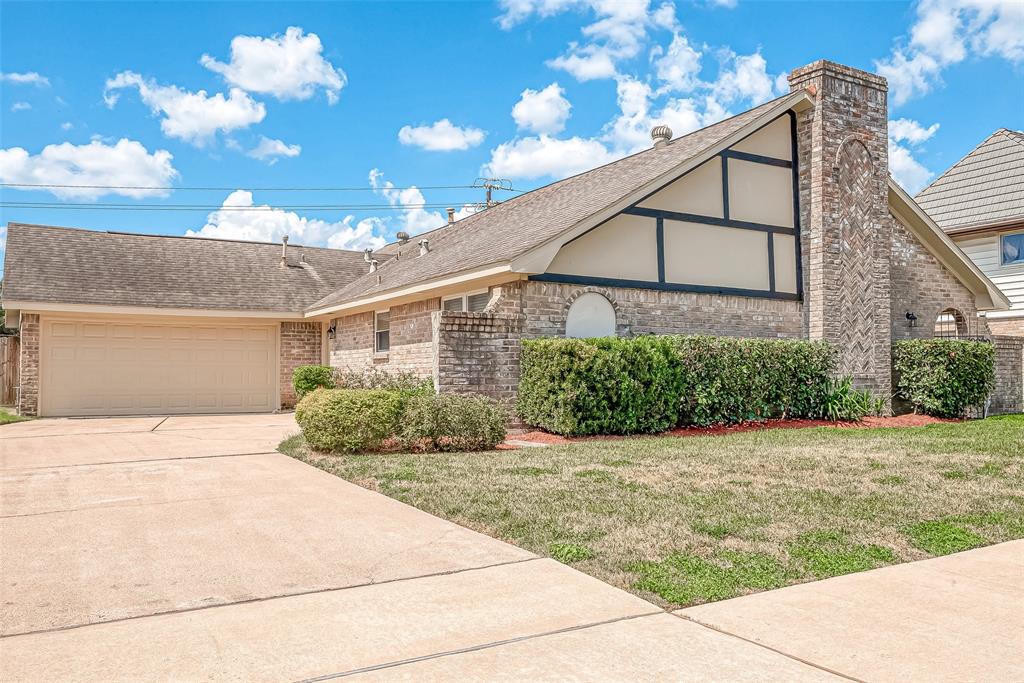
(99, 309)
(988, 297)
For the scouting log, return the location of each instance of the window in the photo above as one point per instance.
(382, 331)
(591, 315)
(1012, 248)
(474, 302)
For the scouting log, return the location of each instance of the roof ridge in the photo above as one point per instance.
(179, 237)
(959, 161)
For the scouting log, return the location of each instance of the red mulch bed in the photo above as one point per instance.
(719, 430)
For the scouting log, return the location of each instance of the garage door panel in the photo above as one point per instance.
(111, 368)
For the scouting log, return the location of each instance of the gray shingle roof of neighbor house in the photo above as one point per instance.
(507, 230)
(69, 265)
(984, 188)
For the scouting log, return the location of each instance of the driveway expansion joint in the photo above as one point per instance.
(475, 648)
(281, 596)
(801, 660)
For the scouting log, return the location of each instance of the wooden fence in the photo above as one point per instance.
(9, 347)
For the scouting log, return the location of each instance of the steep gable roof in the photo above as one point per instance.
(503, 232)
(985, 187)
(73, 266)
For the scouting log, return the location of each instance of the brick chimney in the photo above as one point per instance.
(846, 229)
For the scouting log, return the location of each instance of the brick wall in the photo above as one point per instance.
(412, 341)
(477, 353)
(845, 224)
(1008, 395)
(28, 391)
(545, 306)
(1007, 327)
(300, 345)
(923, 286)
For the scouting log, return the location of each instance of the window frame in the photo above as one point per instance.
(1003, 263)
(463, 298)
(377, 331)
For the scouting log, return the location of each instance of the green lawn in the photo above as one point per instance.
(688, 520)
(7, 417)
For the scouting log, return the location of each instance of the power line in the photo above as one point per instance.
(251, 189)
(199, 207)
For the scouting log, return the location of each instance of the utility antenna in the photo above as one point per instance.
(491, 184)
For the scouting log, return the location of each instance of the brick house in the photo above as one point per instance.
(778, 222)
(979, 203)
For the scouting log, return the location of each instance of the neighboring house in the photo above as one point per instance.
(778, 222)
(979, 202)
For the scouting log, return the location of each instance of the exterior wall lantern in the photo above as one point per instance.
(911, 319)
(332, 331)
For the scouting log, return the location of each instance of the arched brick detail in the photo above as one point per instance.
(857, 221)
(607, 294)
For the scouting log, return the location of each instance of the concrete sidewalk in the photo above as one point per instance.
(183, 548)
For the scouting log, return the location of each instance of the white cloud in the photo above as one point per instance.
(441, 136)
(744, 78)
(270, 150)
(27, 78)
(241, 218)
(908, 171)
(67, 125)
(945, 33)
(909, 130)
(537, 157)
(586, 63)
(126, 163)
(191, 116)
(679, 66)
(618, 32)
(414, 217)
(289, 66)
(542, 111)
(21, 106)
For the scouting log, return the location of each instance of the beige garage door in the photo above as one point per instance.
(95, 367)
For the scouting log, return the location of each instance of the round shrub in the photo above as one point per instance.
(306, 378)
(452, 422)
(349, 420)
(943, 377)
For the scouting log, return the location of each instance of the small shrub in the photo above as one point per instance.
(452, 422)
(841, 402)
(373, 378)
(349, 420)
(306, 378)
(944, 377)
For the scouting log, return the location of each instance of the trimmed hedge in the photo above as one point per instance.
(349, 420)
(452, 422)
(653, 383)
(306, 378)
(944, 377)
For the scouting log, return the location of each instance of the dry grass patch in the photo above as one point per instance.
(687, 520)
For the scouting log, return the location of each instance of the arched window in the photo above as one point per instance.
(590, 315)
(951, 324)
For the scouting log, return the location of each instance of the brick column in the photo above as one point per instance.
(845, 222)
(300, 345)
(1008, 394)
(28, 390)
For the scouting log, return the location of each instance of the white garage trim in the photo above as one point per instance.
(157, 365)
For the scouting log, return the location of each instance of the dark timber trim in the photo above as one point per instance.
(794, 147)
(662, 286)
(771, 261)
(756, 158)
(725, 186)
(709, 220)
(660, 233)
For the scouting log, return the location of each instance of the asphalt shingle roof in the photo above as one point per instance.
(505, 231)
(986, 186)
(69, 265)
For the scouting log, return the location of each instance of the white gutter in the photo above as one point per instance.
(49, 307)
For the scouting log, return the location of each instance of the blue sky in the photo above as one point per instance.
(401, 98)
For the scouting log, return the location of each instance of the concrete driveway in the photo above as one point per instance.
(186, 548)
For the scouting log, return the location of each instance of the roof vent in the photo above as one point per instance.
(661, 135)
(451, 215)
(284, 251)
(424, 247)
(403, 237)
(373, 265)
(367, 255)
